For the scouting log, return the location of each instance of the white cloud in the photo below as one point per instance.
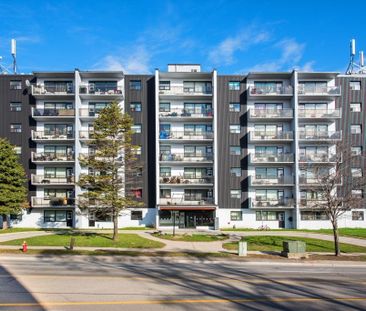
(224, 52)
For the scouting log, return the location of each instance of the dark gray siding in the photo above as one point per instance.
(225, 140)
(146, 96)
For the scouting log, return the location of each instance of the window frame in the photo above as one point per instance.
(15, 106)
(134, 107)
(136, 215)
(135, 85)
(234, 85)
(15, 84)
(15, 128)
(236, 215)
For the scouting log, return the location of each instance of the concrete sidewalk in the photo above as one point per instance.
(22, 235)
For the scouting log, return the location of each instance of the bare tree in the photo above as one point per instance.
(334, 184)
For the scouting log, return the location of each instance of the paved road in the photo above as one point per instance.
(120, 283)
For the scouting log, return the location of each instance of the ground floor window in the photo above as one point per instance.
(54, 216)
(186, 219)
(314, 215)
(236, 215)
(136, 215)
(357, 215)
(16, 217)
(266, 215)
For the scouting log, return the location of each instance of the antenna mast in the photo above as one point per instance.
(14, 54)
(353, 67)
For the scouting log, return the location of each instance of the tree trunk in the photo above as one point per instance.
(115, 226)
(337, 251)
(5, 221)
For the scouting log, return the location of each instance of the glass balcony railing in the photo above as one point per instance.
(186, 201)
(256, 181)
(185, 135)
(263, 135)
(319, 90)
(270, 113)
(272, 158)
(176, 180)
(271, 90)
(322, 158)
(46, 180)
(310, 135)
(42, 135)
(320, 113)
(90, 89)
(52, 156)
(182, 90)
(183, 157)
(52, 201)
(272, 203)
(60, 89)
(311, 203)
(186, 113)
(53, 112)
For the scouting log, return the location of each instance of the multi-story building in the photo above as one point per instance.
(219, 151)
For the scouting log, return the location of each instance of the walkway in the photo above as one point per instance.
(22, 235)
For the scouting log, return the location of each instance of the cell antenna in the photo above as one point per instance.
(14, 54)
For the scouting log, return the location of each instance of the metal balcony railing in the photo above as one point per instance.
(183, 157)
(262, 135)
(271, 113)
(321, 135)
(271, 90)
(256, 181)
(311, 203)
(52, 201)
(319, 113)
(45, 180)
(42, 135)
(182, 90)
(318, 90)
(91, 89)
(176, 180)
(272, 158)
(323, 158)
(186, 201)
(37, 112)
(185, 135)
(86, 134)
(52, 156)
(60, 89)
(272, 203)
(186, 113)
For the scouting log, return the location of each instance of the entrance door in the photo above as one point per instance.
(281, 220)
(69, 218)
(190, 220)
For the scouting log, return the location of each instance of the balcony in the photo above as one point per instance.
(61, 90)
(186, 201)
(272, 204)
(41, 136)
(261, 136)
(268, 92)
(52, 202)
(320, 136)
(185, 114)
(271, 158)
(186, 180)
(86, 135)
(181, 91)
(39, 180)
(318, 159)
(315, 181)
(312, 203)
(51, 157)
(88, 114)
(89, 91)
(186, 158)
(271, 181)
(47, 114)
(185, 136)
(268, 114)
(320, 114)
(326, 91)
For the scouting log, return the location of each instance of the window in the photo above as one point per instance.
(236, 215)
(135, 85)
(357, 193)
(235, 171)
(356, 150)
(102, 87)
(165, 193)
(138, 150)
(197, 87)
(164, 107)
(164, 85)
(357, 215)
(136, 193)
(235, 128)
(356, 172)
(18, 149)
(135, 107)
(235, 194)
(136, 215)
(234, 85)
(15, 106)
(355, 85)
(234, 107)
(15, 128)
(317, 215)
(54, 216)
(355, 107)
(15, 85)
(356, 129)
(16, 217)
(235, 150)
(165, 171)
(136, 128)
(262, 215)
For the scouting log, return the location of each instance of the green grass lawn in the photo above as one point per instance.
(191, 238)
(274, 243)
(89, 239)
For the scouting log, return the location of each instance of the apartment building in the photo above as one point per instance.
(218, 151)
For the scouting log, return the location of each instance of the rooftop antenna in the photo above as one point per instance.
(14, 54)
(353, 67)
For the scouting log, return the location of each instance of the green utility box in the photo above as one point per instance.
(294, 249)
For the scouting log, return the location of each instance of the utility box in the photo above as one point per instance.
(294, 249)
(242, 248)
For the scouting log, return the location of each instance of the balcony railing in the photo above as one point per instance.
(52, 202)
(337, 135)
(272, 158)
(53, 112)
(320, 113)
(45, 180)
(176, 180)
(182, 157)
(86, 112)
(270, 113)
(52, 156)
(288, 180)
(86, 134)
(185, 135)
(269, 90)
(42, 135)
(66, 89)
(324, 91)
(322, 158)
(93, 90)
(187, 91)
(272, 203)
(186, 113)
(311, 203)
(262, 135)
(186, 201)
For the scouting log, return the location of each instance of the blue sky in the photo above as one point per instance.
(139, 36)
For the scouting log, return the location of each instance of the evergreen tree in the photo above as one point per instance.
(13, 193)
(114, 165)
